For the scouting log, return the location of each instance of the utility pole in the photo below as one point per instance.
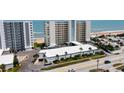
(97, 64)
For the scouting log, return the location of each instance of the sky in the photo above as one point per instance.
(96, 25)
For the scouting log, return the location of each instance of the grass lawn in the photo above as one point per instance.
(65, 64)
(97, 70)
(14, 69)
(120, 67)
(97, 56)
(117, 64)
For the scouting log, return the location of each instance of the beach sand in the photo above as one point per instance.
(39, 40)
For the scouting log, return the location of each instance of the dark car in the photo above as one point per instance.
(122, 70)
(107, 62)
(71, 70)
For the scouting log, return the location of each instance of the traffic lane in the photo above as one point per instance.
(104, 66)
(85, 64)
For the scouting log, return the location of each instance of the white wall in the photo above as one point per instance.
(52, 33)
(2, 36)
(69, 22)
(30, 33)
(88, 30)
(72, 38)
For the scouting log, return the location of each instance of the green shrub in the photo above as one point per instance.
(65, 64)
(73, 60)
(97, 56)
(117, 64)
(62, 59)
(120, 68)
(55, 61)
(15, 61)
(38, 45)
(14, 69)
(97, 70)
(3, 67)
(100, 53)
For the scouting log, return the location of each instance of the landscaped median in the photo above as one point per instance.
(14, 69)
(97, 70)
(72, 61)
(65, 64)
(97, 56)
(119, 66)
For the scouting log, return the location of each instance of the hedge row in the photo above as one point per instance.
(66, 64)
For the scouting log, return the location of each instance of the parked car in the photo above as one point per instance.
(107, 62)
(122, 70)
(106, 70)
(71, 70)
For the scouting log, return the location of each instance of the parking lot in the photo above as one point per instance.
(26, 61)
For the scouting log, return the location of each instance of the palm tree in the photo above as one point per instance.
(116, 47)
(91, 49)
(36, 55)
(81, 50)
(10, 50)
(3, 67)
(57, 57)
(15, 61)
(66, 53)
(44, 60)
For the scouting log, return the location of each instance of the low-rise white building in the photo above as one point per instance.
(6, 59)
(70, 51)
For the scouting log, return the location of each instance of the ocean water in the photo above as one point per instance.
(38, 34)
(106, 25)
(96, 26)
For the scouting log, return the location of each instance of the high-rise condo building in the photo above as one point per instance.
(56, 32)
(60, 32)
(16, 35)
(83, 31)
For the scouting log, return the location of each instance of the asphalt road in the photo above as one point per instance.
(86, 66)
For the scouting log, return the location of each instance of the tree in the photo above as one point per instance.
(44, 58)
(39, 45)
(116, 47)
(91, 49)
(36, 45)
(102, 36)
(66, 53)
(81, 50)
(15, 61)
(42, 45)
(109, 47)
(121, 44)
(12, 51)
(57, 56)
(3, 67)
(36, 56)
